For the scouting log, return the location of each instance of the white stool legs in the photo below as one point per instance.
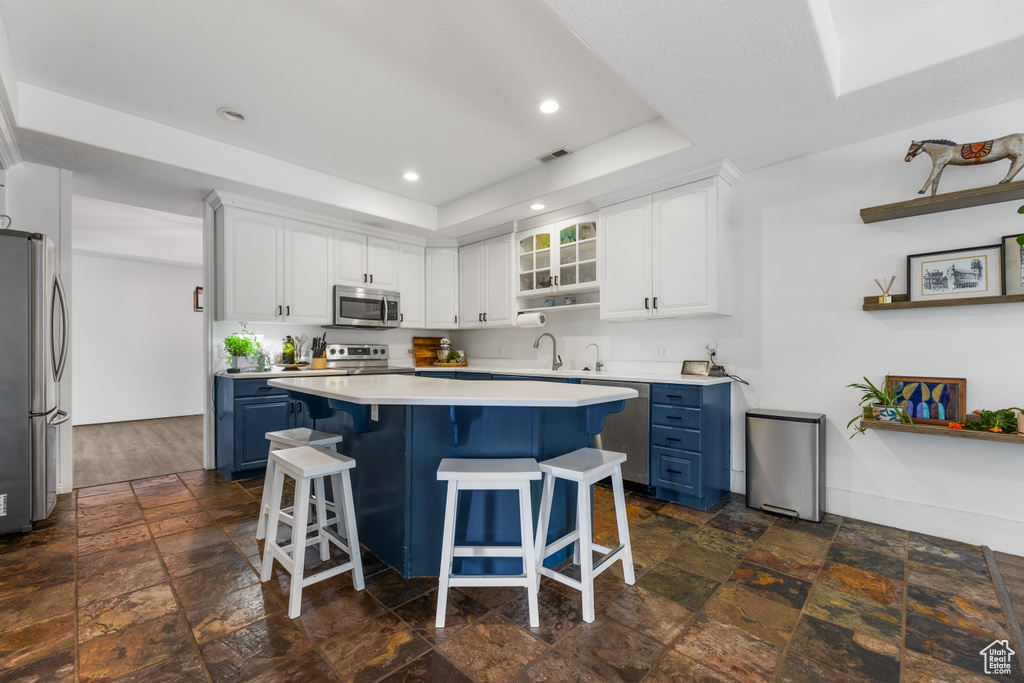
(488, 475)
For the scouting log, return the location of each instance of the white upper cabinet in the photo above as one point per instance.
(350, 258)
(485, 284)
(251, 259)
(668, 254)
(307, 267)
(411, 278)
(561, 257)
(363, 261)
(273, 269)
(382, 263)
(442, 288)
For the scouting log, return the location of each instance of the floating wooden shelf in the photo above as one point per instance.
(1005, 437)
(979, 196)
(900, 301)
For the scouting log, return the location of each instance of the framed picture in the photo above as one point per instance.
(696, 367)
(955, 274)
(1013, 259)
(931, 400)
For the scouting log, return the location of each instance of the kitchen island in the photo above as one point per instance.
(399, 428)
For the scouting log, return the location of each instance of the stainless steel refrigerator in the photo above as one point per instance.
(33, 352)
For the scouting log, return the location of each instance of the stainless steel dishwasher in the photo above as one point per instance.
(629, 431)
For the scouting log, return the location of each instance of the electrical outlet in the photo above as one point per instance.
(374, 413)
(3, 504)
(661, 350)
(713, 346)
(501, 351)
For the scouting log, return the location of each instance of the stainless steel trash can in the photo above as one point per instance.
(786, 463)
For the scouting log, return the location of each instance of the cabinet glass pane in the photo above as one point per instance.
(588, 272)
(568, 275)
(588, 250)
(525, 245)
(568, 254)
(543, 260)
(588, 231)
(525, 263)
(525, 282)
(543, 241)
(543, 280)
(567, 235)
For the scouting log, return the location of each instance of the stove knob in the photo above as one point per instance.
(334, 351)
(375, 352)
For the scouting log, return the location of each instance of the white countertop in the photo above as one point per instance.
(432, 391)
(673, 378)
(279, 373)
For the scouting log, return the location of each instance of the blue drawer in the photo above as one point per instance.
(676, 395)
(255, 387)
(677, 471)
(671, 437)
(671, 416)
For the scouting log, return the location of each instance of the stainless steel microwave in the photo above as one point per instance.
(366, 308)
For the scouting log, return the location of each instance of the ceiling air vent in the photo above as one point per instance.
(551, 156)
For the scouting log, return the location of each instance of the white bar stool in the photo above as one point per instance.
(291, 438)
(586, 467)
(311, 464)
(513, 474)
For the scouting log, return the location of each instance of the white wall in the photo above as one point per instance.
(138, 351)
(803, 263)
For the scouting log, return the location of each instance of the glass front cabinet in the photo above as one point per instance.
(561, 257)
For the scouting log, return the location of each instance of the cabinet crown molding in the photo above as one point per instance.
(722, 168)
(219, 198)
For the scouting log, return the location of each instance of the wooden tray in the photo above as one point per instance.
(425, 349)
(439, 364)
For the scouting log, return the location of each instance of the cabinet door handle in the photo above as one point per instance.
(456, 320)
(674, 472)
(479, 317)
(279, 310)
(291, 407)
(655, 302)
(485, 317)
(647, 303)
(299, 407)
(287, 310)
(556, 281)
(371, 278)
(364, 277)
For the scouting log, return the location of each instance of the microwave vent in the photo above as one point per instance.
(551, 156)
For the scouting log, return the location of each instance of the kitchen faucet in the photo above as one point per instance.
(556, 360)
(597, 364)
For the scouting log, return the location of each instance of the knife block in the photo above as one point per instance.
(318, 363)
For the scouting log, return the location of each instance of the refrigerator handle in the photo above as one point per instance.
(60, 417)
(58, 364)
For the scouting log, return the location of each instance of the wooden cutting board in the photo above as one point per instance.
(426, 349)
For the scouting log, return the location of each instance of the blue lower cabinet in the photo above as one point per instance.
(472, 375)
(520, 378)
(244, 411)
(690, 443)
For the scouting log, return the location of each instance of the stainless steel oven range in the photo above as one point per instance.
(363, 359)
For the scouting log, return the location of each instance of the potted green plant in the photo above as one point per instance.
(240, 346)
(1005, 420)
(877, 403)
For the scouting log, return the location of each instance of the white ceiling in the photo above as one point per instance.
(341, 98)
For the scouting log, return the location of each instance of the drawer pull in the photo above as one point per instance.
(673, 417)
(674, 396)
(265, 389)
(672, 438)
(674, 472)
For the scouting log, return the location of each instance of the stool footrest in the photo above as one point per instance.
(561, 578)
(489, 580)
(487, 551)
(326, 574)
(553, 548)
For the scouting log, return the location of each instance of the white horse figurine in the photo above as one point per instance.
(945, 152)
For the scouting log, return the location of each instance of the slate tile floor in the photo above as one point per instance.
(157, 580)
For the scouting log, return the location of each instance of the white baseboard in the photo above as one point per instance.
(999, 533)
(132, 418)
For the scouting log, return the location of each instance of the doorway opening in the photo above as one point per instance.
(138, 377)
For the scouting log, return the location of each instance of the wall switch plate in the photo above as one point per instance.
(661, 350)
(3, 504)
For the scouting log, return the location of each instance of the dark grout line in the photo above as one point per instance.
(1012, 623)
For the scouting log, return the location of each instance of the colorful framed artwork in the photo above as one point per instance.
(955, 274)
(696, 367)
(931, 400)
(1013, 265)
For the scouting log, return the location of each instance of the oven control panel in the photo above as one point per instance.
(357, 352)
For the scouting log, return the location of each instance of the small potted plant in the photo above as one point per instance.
(996, 421)
(882, 404)
(239, 347)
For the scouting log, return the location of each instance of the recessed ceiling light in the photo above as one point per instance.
(411, 175)
(231, 114)
(538, 207)
(549, 106)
